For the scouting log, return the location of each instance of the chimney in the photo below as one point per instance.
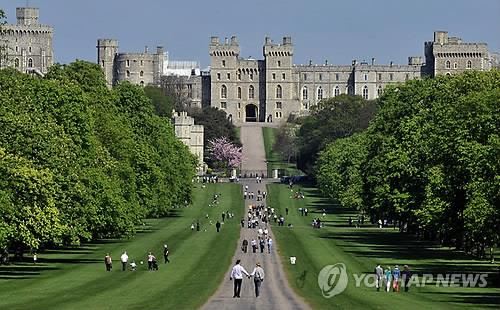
(226, 41)
(373, 61)
(310, 62)
(146, 49)
(391, 63)
(214, 40)
(326, 62)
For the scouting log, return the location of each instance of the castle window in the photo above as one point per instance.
(380, 76)
(320, 76)
(223, 63)
(251, 92)
(337, 76)
(127, 63)
(250, 76)
(279, 92)
(407, 76)
(239, 114)
(305, 77)
(320, 93)
(350, 90)
(455, 65)
(239, 93)
(239, 76)
(279, 63)
(336, 92)
(29, 49)
(304, 93)
(274, 76)
(142, 83)
(190, 90)
(365, 92)
(17, 49)
(239, 105)
(366, 77)
(141, 74)
(102, 63)
(142, 63)
(391, 76)
(379, 91)
(16, 63)
(218, 76)
(30, 63)
(469, 64)
(448, 64)
(229, 76)
(223, 105)
(127, 73)
(223, 92)
(278, 105)
(283, 76)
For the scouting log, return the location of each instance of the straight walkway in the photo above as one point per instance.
(275, 291)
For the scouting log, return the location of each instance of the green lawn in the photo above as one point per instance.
(274, 160)
(360, 249)
(75, 278)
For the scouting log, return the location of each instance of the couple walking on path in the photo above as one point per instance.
(237, 274)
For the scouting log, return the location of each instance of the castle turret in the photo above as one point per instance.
(27, 16)
(106, 53)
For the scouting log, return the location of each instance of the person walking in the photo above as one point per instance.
(286, 211)
(379, 273)
(258, 277)
(237, 274)
(217, 226)
(151, 259)
(262, 244)
(269, 245)
(108, 262)
(388, 277)
(223, 217)
(254, 245)
(124, 260)
(166, 252)
(244, 245)
(396, 274)
(406, 276)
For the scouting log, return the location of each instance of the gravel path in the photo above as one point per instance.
(275, 291)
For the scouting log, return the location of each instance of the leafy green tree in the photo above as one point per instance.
(162, 104)
(331, 119)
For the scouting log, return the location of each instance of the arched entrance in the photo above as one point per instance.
(251, 113)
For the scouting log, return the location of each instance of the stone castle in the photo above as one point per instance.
(27, 45)
(191, 135)
(273, 88)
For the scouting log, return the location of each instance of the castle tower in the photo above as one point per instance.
(106, 52)
(279, 82)
(224, 77)
(27, 16)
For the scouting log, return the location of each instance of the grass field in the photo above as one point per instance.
(273, 159)
(75, 278)
(360, 249)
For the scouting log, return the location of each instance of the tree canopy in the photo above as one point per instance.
(430, 160)
(80, 161)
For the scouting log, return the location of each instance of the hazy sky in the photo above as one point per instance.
(389, 30)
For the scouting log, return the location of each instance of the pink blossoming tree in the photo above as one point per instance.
(224, 152)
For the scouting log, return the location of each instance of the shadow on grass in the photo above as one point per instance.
(22, 271)
(485, 299)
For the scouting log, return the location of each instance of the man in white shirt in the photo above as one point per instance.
(237, 273)
(269, 245)
(258, 276)
(124, 260)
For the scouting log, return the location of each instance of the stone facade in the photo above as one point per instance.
(27, 45)
(191, 135)
(271, 89)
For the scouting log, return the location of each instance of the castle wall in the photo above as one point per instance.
(191, 135)
(28, 44)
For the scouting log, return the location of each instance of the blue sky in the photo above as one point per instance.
(389, 30)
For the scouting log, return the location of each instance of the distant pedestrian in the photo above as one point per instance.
(192, 226)
(242, 222)
(124, 260)
(254, 245)
(388, 278)
(269, 245)
(151, 259)
(258, 276)
(237, 274)
(244, 245)
(108, 262)
(197, 225)
(306, 211)
(166, 252)
(396, 274)
(223, 216)
(217, 226)
(379, 273)
(35, 258)
(262, 244)
(286, 211)
(406, 276)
